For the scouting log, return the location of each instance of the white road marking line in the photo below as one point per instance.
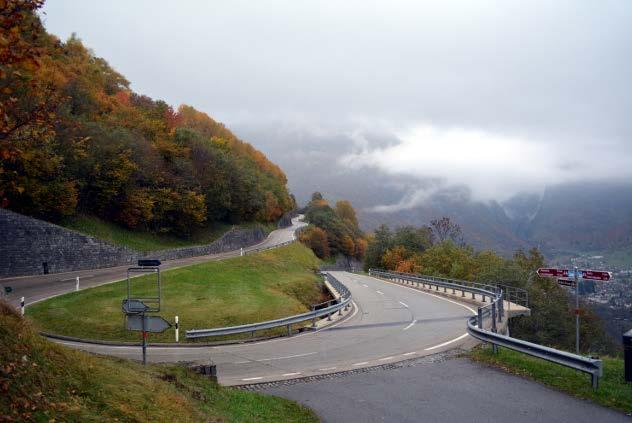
(291, 374)
(327, 368)
(365, 285)
(276, 358)
(446, 343)
(410, 353)
(426, 293)
(386, 358)
(380, 292)
(410, 325)
(404, 304)
(252, 378)
(362, 363)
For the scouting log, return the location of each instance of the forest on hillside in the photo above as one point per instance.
(75, 139)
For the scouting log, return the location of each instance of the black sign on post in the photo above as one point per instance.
(154, 324)
(149, 263)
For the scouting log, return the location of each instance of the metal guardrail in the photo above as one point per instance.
(479, 329)
(340, 303)
(510, 293)
(271, 247)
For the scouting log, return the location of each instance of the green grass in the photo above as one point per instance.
(613, 391)
(42, 381)
(146, 241)
(269, 285)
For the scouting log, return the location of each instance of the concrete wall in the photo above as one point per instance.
(27, 243)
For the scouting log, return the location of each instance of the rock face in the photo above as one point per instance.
(30, 246)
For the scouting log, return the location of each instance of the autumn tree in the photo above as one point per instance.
(444, 229)
(316, 239)
(345, 210)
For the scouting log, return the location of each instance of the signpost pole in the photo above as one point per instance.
(144, 340)
(576, 310)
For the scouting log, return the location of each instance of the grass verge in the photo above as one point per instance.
(147, 241)
(264, 286)
(613, 391)
(42, 381)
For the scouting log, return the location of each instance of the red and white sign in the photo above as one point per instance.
(596, 275)
(552, 273)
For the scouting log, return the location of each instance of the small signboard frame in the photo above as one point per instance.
(152, 302)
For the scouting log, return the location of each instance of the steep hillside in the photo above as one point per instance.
(76, 139)
(42, 381)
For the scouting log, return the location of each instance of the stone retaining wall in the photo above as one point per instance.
(30, 246)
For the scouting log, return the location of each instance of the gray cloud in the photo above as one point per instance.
(511, 95)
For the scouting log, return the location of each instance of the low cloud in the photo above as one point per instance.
(492, 166)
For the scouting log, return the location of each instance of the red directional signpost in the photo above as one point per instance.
(552, 273)
(596, 275)
(571, 278)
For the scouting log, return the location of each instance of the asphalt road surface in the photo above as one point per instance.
(452, 390)
(39, 287)
(388, 323)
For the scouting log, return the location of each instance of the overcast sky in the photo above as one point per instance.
(499, 96)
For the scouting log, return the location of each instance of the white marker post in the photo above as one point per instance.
(241, 252)
(177, 330)
(22, 306)
(77, 284)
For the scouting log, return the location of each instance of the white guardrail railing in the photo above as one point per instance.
(330, 307)
(487, 332)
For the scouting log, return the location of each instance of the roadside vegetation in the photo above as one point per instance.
(43, 381)
(263, 286)
(148, 241)
(613, 391)
(333, 231)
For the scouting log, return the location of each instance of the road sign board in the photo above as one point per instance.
(566, 282)
(134, 307)
(552, 273)
(149, 262)
(596, 275)
(152, 323)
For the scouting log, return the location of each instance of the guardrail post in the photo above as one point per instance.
(480, 318)
(594, 379)
(501, 309)
(445, 289)
(453, 291)
(494, 346)
(329, 317)
(473, 297)
(484, 298)
(463, 293)
(289, 330)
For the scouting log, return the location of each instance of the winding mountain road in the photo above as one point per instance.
(389, 323)
(40, 287)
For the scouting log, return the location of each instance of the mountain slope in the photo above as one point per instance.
(75, 138)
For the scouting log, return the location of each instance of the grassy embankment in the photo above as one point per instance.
(613, 391)
(147, 241)
(42, 381)
(264, 286)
